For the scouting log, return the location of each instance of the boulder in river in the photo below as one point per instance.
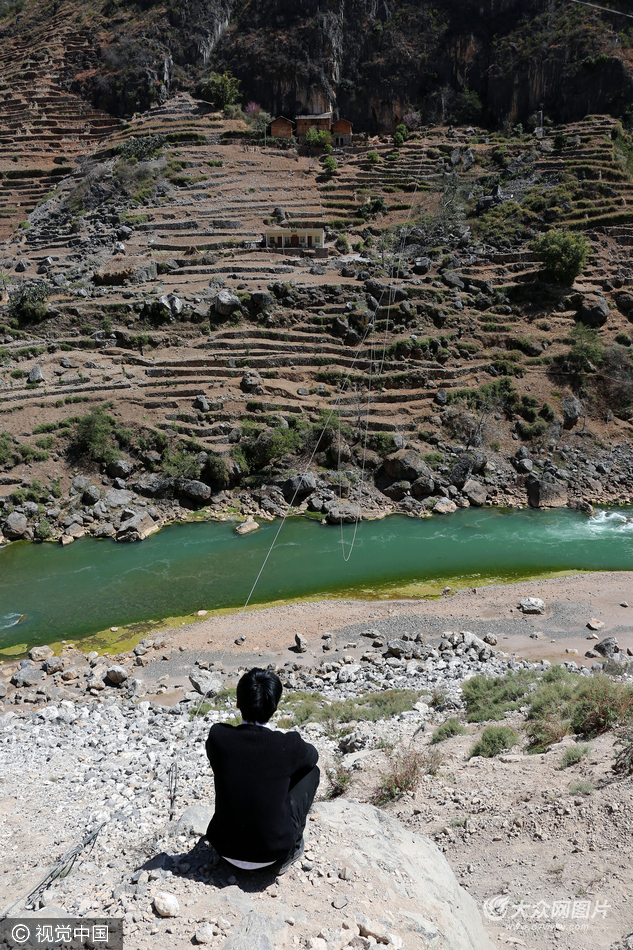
(545, 494)
(137, 528)
(15, 526)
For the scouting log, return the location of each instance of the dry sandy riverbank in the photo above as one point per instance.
(571, 602)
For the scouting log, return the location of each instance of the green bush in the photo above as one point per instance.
(43, 531)
(6, 448)
(563, 254)
(330, 165)
(222, 89)
(468, 106)
(490, 697)
(140, 148)
(181, 464)
(318, 138)
(563, 703)
(93, 436)
(494, 739)
(27, 305)
(574, 754)
(373, 157)
(46, 442)
(452, 727)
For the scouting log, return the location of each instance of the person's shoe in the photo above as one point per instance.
(290, 860)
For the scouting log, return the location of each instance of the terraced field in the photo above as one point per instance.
(430, 298)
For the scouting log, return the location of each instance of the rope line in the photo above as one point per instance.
(595, 6)
(61, 869)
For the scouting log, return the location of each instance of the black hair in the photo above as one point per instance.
(258, 694)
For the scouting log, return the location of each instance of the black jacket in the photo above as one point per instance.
(254, 768)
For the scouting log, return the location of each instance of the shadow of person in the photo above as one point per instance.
(203, 864)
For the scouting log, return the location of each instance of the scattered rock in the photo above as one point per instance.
(15, 526)
(301, 643)
(37, 654)
(166, 905)
(593, 310)
(545, 494)
(117, 674)
(595, 624)
(247, 527)
(205, 683)
(607, 647)
(532, 605)
(444, 506)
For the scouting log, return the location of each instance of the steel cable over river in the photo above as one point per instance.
(48, 593)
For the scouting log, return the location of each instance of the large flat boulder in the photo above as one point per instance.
(197, 491)
(153, 486)
(427, 901)
(475, 492)
(545, 494)
(406, 464)
(15, 526)
(118, 498)
(137, 528)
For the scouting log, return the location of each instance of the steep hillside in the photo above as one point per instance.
(372, 60)
(428, 361)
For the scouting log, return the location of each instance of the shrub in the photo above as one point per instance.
(468, 106)
(330, 165)
(181, 464)
(222, 89)
(93, 436)
(339, 779)
(600, 704)
(217, 470)
(318, 138)
(574, 754)
(43, 531)
(490, 697)
(402, 776)
(624, 758)
(581, 788)
(560, 141)
(6, 448)
(452, 727)
(563, 254)
(373, 157)
(26, 304)
(140, 148)
(342, 244)
(494, 739)
(46, 442)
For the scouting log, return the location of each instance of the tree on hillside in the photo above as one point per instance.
(563, 254)
(222, 89)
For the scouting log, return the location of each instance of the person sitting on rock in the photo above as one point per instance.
(265, 781)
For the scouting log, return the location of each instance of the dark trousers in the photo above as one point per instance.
(300, 798)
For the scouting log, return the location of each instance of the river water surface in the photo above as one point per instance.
(48, 593)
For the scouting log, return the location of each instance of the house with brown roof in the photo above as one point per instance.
(281, 128)
(342, 132)
(321, 122)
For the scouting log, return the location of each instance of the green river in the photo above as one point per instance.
(48, 593)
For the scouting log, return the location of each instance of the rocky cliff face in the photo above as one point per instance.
(370, 60)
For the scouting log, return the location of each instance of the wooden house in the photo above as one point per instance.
(321, 122)
(342, 132)
(281, 128)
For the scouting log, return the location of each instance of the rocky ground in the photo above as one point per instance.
(518, 831)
